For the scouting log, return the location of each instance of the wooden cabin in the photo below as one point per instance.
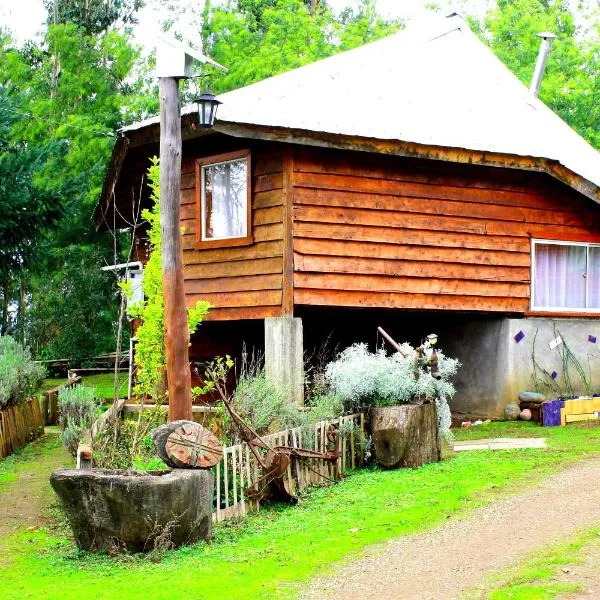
(412, 183)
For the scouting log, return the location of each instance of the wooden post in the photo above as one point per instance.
(177, 335)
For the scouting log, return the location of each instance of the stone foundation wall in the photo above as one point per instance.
(496, 367)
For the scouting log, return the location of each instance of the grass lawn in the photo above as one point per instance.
(269, 555)
(30, 454)
(546, 575)
(103, 383)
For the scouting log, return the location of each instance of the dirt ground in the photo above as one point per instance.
(443, 563)
(25, 500)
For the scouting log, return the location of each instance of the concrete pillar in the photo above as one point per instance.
(284, 356)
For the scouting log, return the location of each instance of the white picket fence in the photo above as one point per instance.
(238, 469)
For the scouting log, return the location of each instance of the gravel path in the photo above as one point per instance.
(443, 563)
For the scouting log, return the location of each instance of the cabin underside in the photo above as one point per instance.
(497, 362)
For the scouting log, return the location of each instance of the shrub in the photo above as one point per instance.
(78, 408)
(128, 444)
(363, 379)
(19, 375)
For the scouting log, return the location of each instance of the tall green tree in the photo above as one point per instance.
(256, 39)
(73, 91)
(571, 83)
(94, 16)
(27, 211)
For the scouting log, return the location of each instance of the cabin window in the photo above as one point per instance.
(566, 276)
(223, 197)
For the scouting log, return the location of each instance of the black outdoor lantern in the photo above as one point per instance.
(207, 109)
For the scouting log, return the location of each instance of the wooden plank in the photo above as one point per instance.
(233, 284)
(188, 181)
(262, 233)
(420, 171)
(264, 216)
(425, 237)
(384, 185)
(354, 216)
(474, 208)
(287, 299)
(372, 266)
(244, 313)
(264, 183)
(409, 285)
(546, 232)
(328, 247)
(267, 162)
(237, 299)
(267, 199)
(409, 301)
(263, 266)
(257, 250)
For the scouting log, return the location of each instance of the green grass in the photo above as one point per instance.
(23, 458)
(539, 576)
(48, 384)
(270, 554)
(103, 383)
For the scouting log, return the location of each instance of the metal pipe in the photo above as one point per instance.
(391, 341)
(542, 59)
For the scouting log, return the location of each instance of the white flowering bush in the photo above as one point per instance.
(362, 379)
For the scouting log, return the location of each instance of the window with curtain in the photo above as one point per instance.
(566, 276)
(224, 198)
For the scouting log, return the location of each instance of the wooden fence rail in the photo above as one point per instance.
(49, 401)
(20, 425)
(238, 467)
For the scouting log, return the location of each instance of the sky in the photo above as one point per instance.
(25, 18)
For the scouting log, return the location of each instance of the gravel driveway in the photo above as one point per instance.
(443, 563)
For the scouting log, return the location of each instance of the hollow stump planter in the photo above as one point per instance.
(110, 510)
(405, 435)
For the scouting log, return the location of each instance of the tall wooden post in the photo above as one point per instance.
(177, 335)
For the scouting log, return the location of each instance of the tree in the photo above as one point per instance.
(71, 310)
(27, 211)
(256, 39)
(94, 16)
(571, 83)
(73, 91)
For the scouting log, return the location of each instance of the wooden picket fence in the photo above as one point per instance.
(238, 467)
(20, 425)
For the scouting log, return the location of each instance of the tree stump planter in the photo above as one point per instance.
(405, 435)
(139, 511)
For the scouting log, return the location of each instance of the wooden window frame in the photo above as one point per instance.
(560, 311)
(216, 159)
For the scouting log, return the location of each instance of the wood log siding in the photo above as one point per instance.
(243, 282)
(391, 232)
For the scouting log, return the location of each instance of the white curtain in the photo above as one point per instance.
(560, 276)
(594, 277)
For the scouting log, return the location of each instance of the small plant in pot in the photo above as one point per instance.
(406, 394)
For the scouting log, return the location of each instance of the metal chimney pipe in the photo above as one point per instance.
(542, 59)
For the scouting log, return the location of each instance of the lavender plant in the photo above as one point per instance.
(362, 379)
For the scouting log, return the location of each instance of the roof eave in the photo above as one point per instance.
(150, 134)
(416, 150)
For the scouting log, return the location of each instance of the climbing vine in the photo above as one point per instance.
(150, 349)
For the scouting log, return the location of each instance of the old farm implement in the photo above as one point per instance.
(274, 461)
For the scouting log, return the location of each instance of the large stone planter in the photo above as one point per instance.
(109, 510)
(405, 435)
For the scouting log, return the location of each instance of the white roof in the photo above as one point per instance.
(434, 83)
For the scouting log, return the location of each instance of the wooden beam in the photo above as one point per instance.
(177, 335)
(287, 301)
